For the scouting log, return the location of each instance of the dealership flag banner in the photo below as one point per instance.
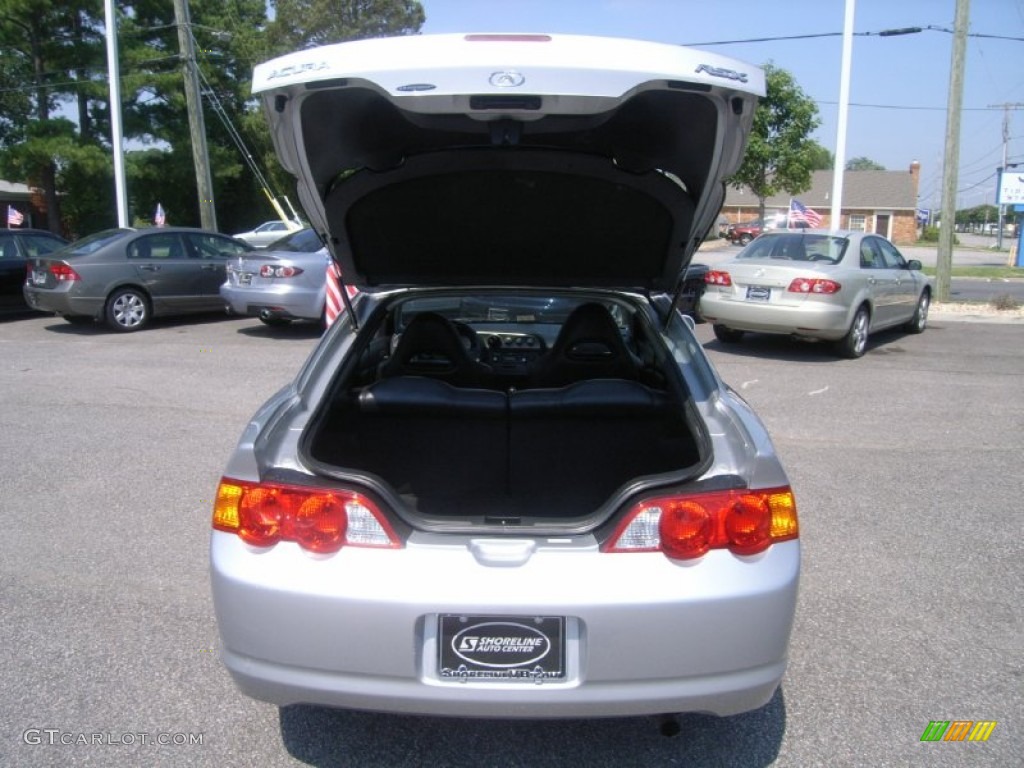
(333, 306)
(15, 218)
(800, 213)
(160, 218)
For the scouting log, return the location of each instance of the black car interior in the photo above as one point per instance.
(455, 436)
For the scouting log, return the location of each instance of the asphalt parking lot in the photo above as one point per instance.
(907, 469)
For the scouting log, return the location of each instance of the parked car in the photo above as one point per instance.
(268, 232)
(817, 284)
(510, 483)
(285, 282)
(743, 232)
(16, 247)
(126, 276)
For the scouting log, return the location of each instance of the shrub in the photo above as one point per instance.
(1004, 302)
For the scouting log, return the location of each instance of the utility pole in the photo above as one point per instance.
(1006, 143)
(196, 125)
(951, 160)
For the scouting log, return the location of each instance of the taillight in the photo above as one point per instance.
(813, 285)
(717, 277)
(63, 272)
(318, 519)
(272, 270)
(687, 526)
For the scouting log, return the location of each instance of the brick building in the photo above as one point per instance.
(884, 202)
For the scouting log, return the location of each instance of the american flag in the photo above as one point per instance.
(160, 218)
(15, 218)
(333, 301)
(800, 213)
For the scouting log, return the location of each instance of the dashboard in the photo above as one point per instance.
(511, 352)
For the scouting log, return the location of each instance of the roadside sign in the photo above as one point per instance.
(1011, 188)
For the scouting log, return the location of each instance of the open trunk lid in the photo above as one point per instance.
(498, 159)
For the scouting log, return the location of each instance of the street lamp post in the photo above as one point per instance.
(116, 134)
(839, 162)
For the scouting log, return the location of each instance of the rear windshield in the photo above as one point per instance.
(92, 243)
(529, 308)
(303, 241)
(797, 246)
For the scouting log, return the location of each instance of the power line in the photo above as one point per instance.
(880, 33)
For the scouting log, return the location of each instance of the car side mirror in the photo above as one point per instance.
(914, 264)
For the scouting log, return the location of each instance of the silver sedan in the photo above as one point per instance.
(285, 282)
(835, 286)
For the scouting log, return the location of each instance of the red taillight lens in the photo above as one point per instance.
(717, 277)
(685, 529)
(748, 525)
(63, 272)
(317, 519)
(271, 270)
(688, 526)
(813, 285)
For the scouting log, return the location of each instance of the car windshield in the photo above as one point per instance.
(822, 249)
(303, 241)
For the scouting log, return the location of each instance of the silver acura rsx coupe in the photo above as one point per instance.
(508, 482)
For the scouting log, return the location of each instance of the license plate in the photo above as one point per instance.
(39, 278)
(758, 293)
(501, 648)
(245, 278)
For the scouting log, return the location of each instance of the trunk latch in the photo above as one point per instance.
(502, 553)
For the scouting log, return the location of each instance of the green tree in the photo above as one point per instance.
(780, 155)
(55, 115)
(308, 23)
(821, 158)
(863, 164)
(45, 45)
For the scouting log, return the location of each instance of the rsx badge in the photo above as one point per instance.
(729, 74)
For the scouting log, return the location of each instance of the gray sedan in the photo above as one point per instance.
(836, 286)
(126, 277)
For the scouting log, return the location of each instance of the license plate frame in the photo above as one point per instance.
(502, 649)
(759, 293)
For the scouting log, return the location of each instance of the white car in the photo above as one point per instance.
(834, 286)
(509, 483)
(267, 232)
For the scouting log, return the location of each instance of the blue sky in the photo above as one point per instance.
(903, 82)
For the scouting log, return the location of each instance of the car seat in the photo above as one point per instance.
(431, 346)
(589, 346)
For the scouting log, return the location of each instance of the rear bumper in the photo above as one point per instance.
(811, 319)
(63, 302)
(722, 695)
(644, 635)
(289, 302)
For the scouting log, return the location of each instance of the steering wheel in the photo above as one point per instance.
(469, 340)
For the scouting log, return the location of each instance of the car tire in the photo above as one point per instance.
(276, 322)
(745, 239)
(919, 321)
(855, 342)
(127, 310)
(727, 335)
(79, 319)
